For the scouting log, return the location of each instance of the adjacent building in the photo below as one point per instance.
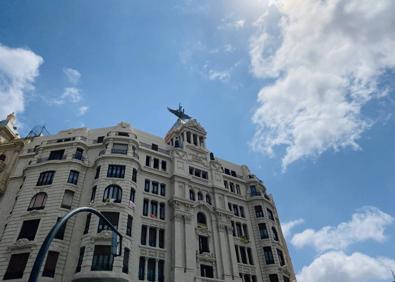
(185, 214)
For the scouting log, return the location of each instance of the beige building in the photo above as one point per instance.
(185, 215)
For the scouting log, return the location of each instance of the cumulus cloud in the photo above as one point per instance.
(288, 226)
(337, 266)
(367, 223)
(70, 94)
(219, 75)
(325, 59)
(82, 110)
(72, 75)
(18, 70)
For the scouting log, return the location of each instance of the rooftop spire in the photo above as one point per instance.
(180, 113)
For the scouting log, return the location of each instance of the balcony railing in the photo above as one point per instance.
(119, 151)
(79, 157)
(40, 160)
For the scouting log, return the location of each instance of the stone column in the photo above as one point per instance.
(225, 251)
(190, 247)
(179, 248)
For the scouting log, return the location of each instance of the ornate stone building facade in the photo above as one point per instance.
(185, 214)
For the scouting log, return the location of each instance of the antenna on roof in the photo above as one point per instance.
(38, 130)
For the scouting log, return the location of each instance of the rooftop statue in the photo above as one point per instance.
(180, 113)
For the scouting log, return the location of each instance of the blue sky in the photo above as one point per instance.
(300, 91)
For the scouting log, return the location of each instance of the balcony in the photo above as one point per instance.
(79, 157)
(41, 160)
(119, 151)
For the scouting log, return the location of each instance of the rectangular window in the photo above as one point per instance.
(237, 253)
(143, 235)
(147, 160)
(245, 231)
(249, 254)
(119, 149)
(280, 257)
(161, 270)
(236, 210)
(154, 209)
(273, 278)
(102, 258)
(151, 271)
(97, 172)
(156, 163)
(45, 178)
(206, 271)
(117, 171)
(263, 231)
(203, 245)
(258, 211)
(238, 229)
(29, 229)
(60, 234)
(152, 237)
(129, 226)
(16, 266)
(142, 268)
(243, 255)
(125, 264)
(145, 207)
(163, 165)
(188, 137)
(134, 175)
(191, 170)
(242, 214)
(73, 177)
(67, 199)
(230, 206)
(87, 223)
(226, 184)
(286, 279)
(204, 174)
(238, 189)
(113, 217)
(270, 214)
(227, 171)
(267, 251)
(233, 229)
(100, 139)
(161, 238)
(79, 154)
(56, 155)
(50, 264)
(147, 185)
(233, 173)
(155, 187)
(80, 259)
(162, 211)
(154, 147)
(93, 195)
(194, 138)
(232, 187)
(163, 189)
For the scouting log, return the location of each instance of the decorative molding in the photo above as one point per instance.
(22, 244)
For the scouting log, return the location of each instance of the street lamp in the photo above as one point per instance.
(47, 242)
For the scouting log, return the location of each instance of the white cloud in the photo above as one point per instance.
(326, 58)
(219, 75)
(288, 226)
(367, 223)
(72, 75)
(337, 266)
(71, 94)
(18, 70)
(82, 110)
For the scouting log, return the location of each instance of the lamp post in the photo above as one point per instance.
(47, 242)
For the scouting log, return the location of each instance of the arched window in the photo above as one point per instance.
(192, 195)
(200, 196)
(275, 235)
(38, 201)
(208, 199)
(201, 218)
(113, 192)
(132, 194)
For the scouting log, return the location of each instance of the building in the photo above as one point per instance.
(185, 214)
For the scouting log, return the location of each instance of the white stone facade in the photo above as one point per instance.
(184, 180)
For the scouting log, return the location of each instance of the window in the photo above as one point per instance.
(29, 229)
(263, 231)
(87, 223)
(243, 255)
(226, 184)
(203, 245)
(3, 157)
(134, 175)
(152, 237)
(201, 218)
(156, 163)
(67, 199)
(161, 270)
(80, 259)
(286, 279)
(142, 268)
(258, 211)
(161, 238)
(100, 139)
(155, 187)
(79, 154)
(132, 195)
(50, 264)
(125, 134)
(129, 226)
(162, 211)
(268, 255)
(16, 266)
(154, 147)
(147, 160)
(208, 199)
(143, 235)
(113, 217)
(249, 254)
(275, 235)
(204, 174)
(60, 234)
(151, 269)
(245, 230)
(237, 253)
(145, 207)
(154, 209)
(232, 187)
(125, 264)
(163, 165)
(117, 171)
(238, 228)
(192, 195)
(163, 189)
(102, 258)
(238, 189)
(273, 278)
(233, 173)
(93, 195)
(113, 192)
(236, 210)
(194, 138)
(280, 257)
(56, 155)
(242, 214)
(230, 206)
(200, 196)
(233, 229)
(73, 177)
(97, 172)
(147, 185)
(38, 201)
(119, 149)
(188, 137)
(45, 178)
(206, 271)
(270, 214)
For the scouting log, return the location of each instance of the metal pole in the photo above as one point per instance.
(51, 235)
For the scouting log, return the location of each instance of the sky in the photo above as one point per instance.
(300, 91)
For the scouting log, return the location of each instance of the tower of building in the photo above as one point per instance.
(185, 214)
